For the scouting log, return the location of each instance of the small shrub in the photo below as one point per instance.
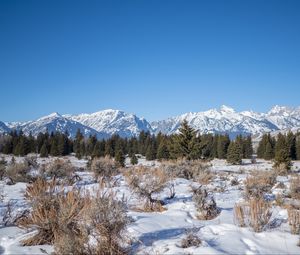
(294, 220)
(255, 213)
(31, 161)
(105, 168)
(295, 187)
(205, 204)
(197, 170)
(259, 183)
(18, 172)
(147, 182)
(234, 181)
(53, 213)
(191, 240)
(107, 222)
(59, 168)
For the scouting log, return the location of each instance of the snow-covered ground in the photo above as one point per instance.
(162, 232)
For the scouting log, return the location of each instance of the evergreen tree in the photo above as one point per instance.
(282, 153)
(185, 145)
(133, 159)
(163, 151)
(44, 151)
(269, 151)
(235, 153)
(298, 148)
(120, 158)
(54, 147)
(291, 144)
(222, 147)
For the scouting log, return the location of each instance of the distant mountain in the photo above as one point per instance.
(4, 128)
(109, 122)
(113, 122)
(223, 120)
(54, 123)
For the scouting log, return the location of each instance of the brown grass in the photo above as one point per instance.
(255, 213)
(295, 187)
(294, 220)
(18, 172)
(259, 183)
(53, 212)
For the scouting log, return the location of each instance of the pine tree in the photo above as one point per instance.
(235, 153)
(291, 144)
(298, 148)
(269, 151)
(222, 147)
(44, 151)
(120, 158)
(133, 159)
(163, 151)
(185, 145)
(247, 147)
(54, 147)
(282, 153)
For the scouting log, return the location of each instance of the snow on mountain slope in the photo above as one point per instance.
(57, 123)
(113, 122)
(224, 120)
(3, 128)
(108, 122)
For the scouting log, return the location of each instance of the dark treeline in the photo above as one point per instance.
(282, 147)
(187, 143)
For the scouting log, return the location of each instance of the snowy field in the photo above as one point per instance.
(163, 232)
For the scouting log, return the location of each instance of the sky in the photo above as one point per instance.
(155, 58)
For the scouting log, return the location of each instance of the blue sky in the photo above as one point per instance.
(154, 58)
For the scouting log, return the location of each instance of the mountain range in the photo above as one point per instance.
(109, 122)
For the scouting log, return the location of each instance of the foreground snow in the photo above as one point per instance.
(161, 233)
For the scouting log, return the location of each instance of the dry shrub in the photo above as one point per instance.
(259, 183)
(105, 168)
(205, 204)
(191, 240)
(234, 181)
(255, 213)
(294, 220)
(58, 168)
(31, 161)
(54, 213)
(197, 170)
(107, 220)
(147, 182)
(295, 187)
(18, 172)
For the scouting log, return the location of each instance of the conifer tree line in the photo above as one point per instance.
(187, 143)
(283, 147)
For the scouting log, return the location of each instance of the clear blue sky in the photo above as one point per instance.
(153, 58)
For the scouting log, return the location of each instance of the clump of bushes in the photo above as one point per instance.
(18, 172)
(68, 220)
(259, 183)
(295, 187)
(196, 170)
(205, 204)
(255, 213)
(191, 240)
(58, 168)
(104, 168)
(148, 182)
(3, 164)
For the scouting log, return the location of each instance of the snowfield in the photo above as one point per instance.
(162, 232)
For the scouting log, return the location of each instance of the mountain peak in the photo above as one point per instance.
(277, 109)
(227, 109)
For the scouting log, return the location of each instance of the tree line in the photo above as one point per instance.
(187, 143)
(282, 149)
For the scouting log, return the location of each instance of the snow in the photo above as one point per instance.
(108, 122)
(162, 232)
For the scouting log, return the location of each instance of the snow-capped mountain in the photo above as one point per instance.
(108, 122)
(55, 123)
(113, 122)
(4, 128)
(227, 120)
